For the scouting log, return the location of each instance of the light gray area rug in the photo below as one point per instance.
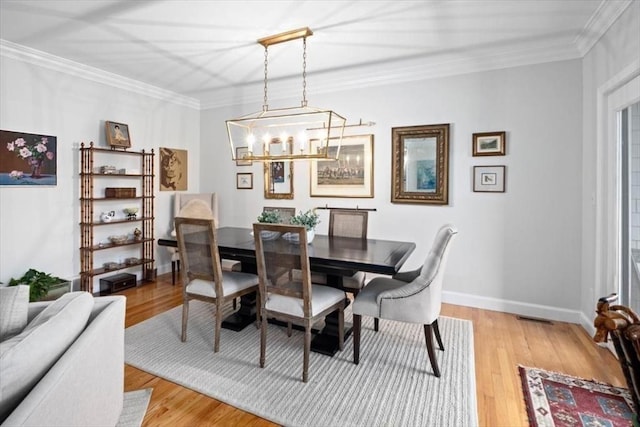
(134, 408)
(392, 386)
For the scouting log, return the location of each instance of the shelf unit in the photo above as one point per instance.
(88, 221)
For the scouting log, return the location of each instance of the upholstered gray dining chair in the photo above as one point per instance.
(203, 278)
(413, 297)
(291, 299)
(179, 202)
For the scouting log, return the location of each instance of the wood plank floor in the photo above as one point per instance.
(501, 343)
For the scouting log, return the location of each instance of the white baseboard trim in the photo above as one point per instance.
(515, 307)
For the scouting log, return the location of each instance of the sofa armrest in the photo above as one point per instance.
(86, 385)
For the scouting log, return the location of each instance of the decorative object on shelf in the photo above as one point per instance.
(489, 143)
(110, 265)
(117, 282)
(131, 261)
(244, 181)
(420, 164)
(118, 135)
(107, 216)
(137, 235)
(118, 239)
(173, 169)
(351, 175)
(131, 213)
(34, 162)
(108, 170)
(42, 286)
(120, 192)
(489, 179)
(310, 219)
(287, 133)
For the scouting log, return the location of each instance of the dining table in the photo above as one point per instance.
(336, 257)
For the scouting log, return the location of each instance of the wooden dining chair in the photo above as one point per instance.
(292, 300)
(417, 301)
(203, 278)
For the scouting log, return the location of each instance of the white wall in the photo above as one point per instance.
(615, 52)
(39, 225)
(515, 250)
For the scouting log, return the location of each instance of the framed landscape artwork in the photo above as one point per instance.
(489, 179)
(118, 135)
(173, 169)
(351, 175)
(27, 159)
(489, 144)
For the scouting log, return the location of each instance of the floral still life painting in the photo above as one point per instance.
(27, 159)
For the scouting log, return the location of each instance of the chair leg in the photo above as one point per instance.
(376, 324)
(289, 329)
(436, 330)
(263, 337)
(185, 317)
(216, 342)
(173, 272)
(307, 349)
(341, 329)
(357, 324)
(234, 303)
(428, 335)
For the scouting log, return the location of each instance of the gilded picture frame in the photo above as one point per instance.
(351, 175)
(420, 164)
(489, 144)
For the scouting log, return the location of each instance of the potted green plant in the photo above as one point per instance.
(270, 217)
(310, 219)
(42, 286)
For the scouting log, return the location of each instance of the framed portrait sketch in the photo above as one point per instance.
(244, 180)
(488, 179)
(173, 169)
(28, 159)
(240, 153)
(489, 144)
(351, 175)
(118, 135)
(420, 164)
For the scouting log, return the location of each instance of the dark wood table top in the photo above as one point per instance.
(325, 253)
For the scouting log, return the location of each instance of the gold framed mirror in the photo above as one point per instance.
(420, 164)
(278, 176)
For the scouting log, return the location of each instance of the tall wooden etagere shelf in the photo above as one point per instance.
(89, 216)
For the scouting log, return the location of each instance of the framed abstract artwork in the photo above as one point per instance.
(489, 179)
(244, 180)
(27, 159)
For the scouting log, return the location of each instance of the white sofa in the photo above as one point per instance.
(85, 386)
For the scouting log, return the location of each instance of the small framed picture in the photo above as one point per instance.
(488, 179)
(241, 152)
(489, 144)
(118, 135)
(244, 181)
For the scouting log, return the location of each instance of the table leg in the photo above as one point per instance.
(245, 316)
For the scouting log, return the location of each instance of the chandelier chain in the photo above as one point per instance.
(304, 71)
(265, 106)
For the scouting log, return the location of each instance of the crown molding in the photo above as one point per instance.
(601, 20)
(32, 56)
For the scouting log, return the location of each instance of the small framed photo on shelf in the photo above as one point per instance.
(241, 152)
(489, 179)
(118, 135)
(489, 144)
(244, 181)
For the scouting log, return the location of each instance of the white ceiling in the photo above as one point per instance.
(207, 50)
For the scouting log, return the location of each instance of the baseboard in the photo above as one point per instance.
(515, 307)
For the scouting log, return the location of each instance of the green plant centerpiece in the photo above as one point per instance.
(310, 219)
(270, 217)
(40, 283)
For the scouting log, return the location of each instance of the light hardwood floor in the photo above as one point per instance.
(501, 341)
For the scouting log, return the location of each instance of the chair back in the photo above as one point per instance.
(182, 199)
(348, 223)
(285, 213)
(198, 248)
(432, 271)
(277, 258)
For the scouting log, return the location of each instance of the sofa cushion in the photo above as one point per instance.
(26, 358)
(14, 307)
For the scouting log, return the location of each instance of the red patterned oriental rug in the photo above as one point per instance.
(558, 400)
